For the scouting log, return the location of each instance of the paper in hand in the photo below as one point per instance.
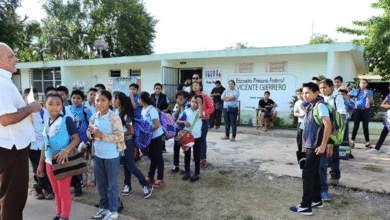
(30, 99)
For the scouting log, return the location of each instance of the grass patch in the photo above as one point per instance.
(373, 168)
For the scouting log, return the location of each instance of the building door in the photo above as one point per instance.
(17, 80)
(187, 73)
(170, 82)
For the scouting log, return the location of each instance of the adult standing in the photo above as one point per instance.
(230, 109)
(215, 117)
(208, 108)
(16, 135)
(196, 77)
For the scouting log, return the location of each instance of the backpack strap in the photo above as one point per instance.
(193, 123)
(85, 113)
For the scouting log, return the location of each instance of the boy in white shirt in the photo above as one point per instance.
(299, 112)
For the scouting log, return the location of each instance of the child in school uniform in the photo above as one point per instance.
(315, 140)
(194, 115)
(151, 115)
(60, 135)
(106, 129)
(299, 112)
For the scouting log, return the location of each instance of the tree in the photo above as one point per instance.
(239, 45)
(11, 25)
(320, 39)
(376, 39)
(125, 25)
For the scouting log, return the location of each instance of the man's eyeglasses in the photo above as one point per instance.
(195, 78)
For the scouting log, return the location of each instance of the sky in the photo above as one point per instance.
(189, 25)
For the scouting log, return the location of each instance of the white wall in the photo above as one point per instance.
(345, 66)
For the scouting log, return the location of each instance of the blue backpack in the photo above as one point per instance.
(142, 132)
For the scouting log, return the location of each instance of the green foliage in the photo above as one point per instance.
(376, 39)
(280, 123)
(292, 103)
(239, 45)
(11, 25)
(354, 84)
(321, 39)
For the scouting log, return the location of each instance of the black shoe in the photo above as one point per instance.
(78, 191)
(175, 169)
(217, 127)
(120, 208)
(194, 178)
(182, 172)
(210, 127)
(58, 217)
(186, 176)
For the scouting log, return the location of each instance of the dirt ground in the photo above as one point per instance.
(256, 178)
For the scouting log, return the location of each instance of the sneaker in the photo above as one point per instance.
(111, 216)
(369, 146)
(301, 210)
(147, 191)
(194, 178)
(352, 145)
(175, 169)
(203, 163)
(325, 196)
(57, 217)
(38, 193)
(120, 207)
(372, 151)
(151, 181)
(159, 184)
(127, 190)
(225, 138)
(49, 194)
(186, 176)
(101, 213)
(317, 204)
(333, 181)
(64, 218)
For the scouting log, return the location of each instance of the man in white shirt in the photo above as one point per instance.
(16, 135)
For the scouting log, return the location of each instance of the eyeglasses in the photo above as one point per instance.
(195, 78)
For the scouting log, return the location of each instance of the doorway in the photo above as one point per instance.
(187, 73)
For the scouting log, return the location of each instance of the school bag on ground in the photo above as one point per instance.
(167, 123)
(338, 123)
(142, 132)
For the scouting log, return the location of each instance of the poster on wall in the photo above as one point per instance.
(252, 88)
(210, 75)
(122, 84)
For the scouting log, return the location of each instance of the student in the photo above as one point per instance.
(150, 114)
(106, 129)
(385, 131)
(364, 100)
(64, 93)
(90, 103)
(338, 82)
(162, 103)
(315, 139)
(267, 107)
(299, 112)
(126, 113)
(230, 110)
(60, 134)
(208, 108)
(187, 85)
(100, 86)
(332, 154)
(191, 113)
(350, 106)
(134, 97)
(65, 111)
(182, 103)
(316, 80)
(216, 93)
(35, 151)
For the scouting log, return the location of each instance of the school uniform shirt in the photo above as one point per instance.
(350, 107)
(68, 103)
(59, 132)
(233, 103)
(39, 124)
(149, 114)
(208, 106)
(299, 109)
(197, 130)
(322, 112)
(90, 107)
(182, 116)
(81, 121)
(20, 134)
(361, 99)
(137, 111)
(112, 141)
(341, 109)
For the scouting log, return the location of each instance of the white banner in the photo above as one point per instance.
(252, 88)
(210, 75)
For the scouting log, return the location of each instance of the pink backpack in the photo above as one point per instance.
(167, 123)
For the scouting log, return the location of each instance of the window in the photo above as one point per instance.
(277, 66)
(43, 78)
(115, 73)
(135, 72)
(244, 68)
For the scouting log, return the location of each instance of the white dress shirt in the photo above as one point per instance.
(20, 134)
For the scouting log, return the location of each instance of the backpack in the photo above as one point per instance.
(85, 113)
(338, 123)
(142, 132)
(167, 123)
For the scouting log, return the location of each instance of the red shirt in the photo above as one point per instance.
(208, 106)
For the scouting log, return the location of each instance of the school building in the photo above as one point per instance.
(280, 70)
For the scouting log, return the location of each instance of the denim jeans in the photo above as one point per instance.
(130, 167)
(311, 179)
(358, 116)
(156, 158)
(230, 120)
(106, 173)
(203, 142)
(334, 162)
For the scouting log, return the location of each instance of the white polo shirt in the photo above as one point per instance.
(20, 134)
